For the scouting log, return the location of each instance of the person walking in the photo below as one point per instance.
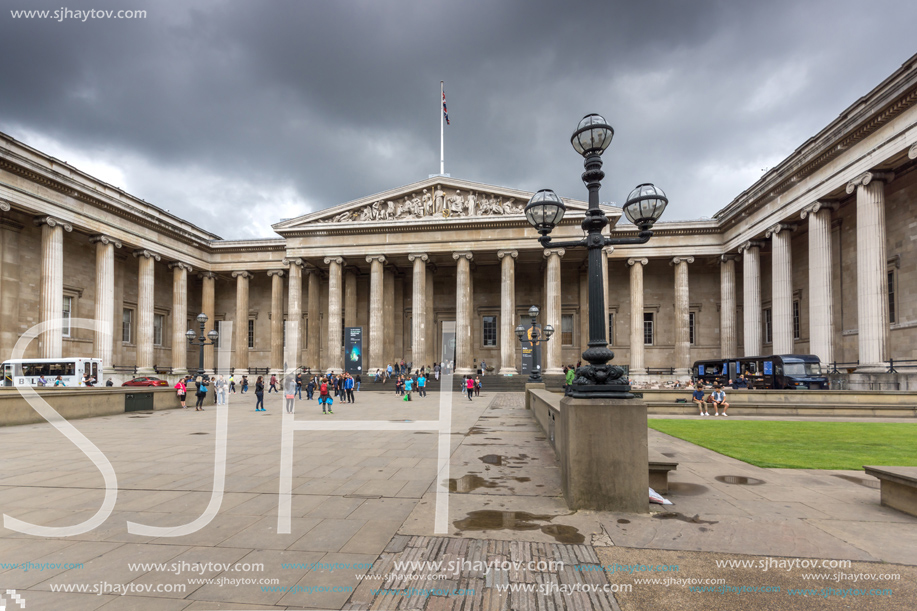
(244, 384)
(232, 384)
(299, 385)
(569, 373)
(201, 393)
(182, 390)
(289, 392)
(310, 389)
(357, 382)
(422, 385)
(348, 387)
(477, 386)
(469, 386)
(259, 394)
(436, 370)
(273, 387)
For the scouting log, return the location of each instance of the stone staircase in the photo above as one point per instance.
(489, 383)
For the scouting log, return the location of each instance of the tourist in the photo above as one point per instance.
(219, 390)
(232, 384)
(698, 397)
(323, 394)
(182, 391)
(201, 393)
(42, 380)
(436, 371)
(299, 385)
(109, 382)
(244, 384)
(289, 392)
(310, 388)
(408, 385)
(348, 387)
(483, 367)
(477, 386)
(422, 386)
(59, 381)
(740, 382)
(357, 382)
(259, 394)
(719, 398)
(273, 386)
(469, 387)
(569, 374)
(390, 370)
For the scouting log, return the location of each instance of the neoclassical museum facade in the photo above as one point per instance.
(818, 256)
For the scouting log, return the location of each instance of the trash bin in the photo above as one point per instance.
(138, 402)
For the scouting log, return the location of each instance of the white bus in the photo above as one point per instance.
(26, 372)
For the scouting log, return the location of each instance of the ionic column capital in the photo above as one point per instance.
(275, 272)
(728, 257)
(105, 239)
(608, 250)
(749, 245)
(180, 265)
(677, 260)
(912, 153)
(635, 260)
(146, 254)
(379, 258)
(289, 261)
(330, 260)
(554, 251)
(422, 256)
(4, 205)
(51, 221)
(815, 207)
(243, 274)
(463, 255)
(207, 276)
(507, 253)
(775, 229)
(867, 177)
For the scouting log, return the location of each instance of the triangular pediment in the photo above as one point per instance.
(437, 199)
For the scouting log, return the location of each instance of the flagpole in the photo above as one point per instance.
(442, 159)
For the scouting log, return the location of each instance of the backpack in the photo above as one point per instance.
(324, 388)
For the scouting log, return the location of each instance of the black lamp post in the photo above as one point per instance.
(536, 340)
(202, 340)
(644, 205)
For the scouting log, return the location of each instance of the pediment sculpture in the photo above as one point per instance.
(438, 204)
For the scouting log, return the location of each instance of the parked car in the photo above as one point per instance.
(146, 381)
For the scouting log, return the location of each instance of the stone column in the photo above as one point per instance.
(782, 287)
(294, 313)
(751, 291)
(419, 309)
(208, 307)
(146, 277)
(105, 298)
(179, 316)
(388, 316)
(821, 294)
(729, 347)
(872, 262)
(553, 311)
(607, 250)
(350, 297)
(682, 316)
(463, 310)
(431, 356)
(508, 338)
(637, 366)
(376, 320)
(240, 327)
(314, 331)
(335, 330)
(51, 306)
(276, 276)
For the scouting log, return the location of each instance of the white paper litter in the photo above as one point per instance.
(655, 497)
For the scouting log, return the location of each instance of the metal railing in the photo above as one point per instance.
(833, 369)
(902, 363)
(660, 371)
(132, 369)
(162, 370)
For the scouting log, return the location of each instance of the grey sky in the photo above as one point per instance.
(236, 114)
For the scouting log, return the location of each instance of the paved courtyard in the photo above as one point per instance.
(363, 501)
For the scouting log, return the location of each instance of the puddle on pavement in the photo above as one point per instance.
(686, 489)
(862, 481)
(492, 459)
(739, 480)
(488, 519)
(198, 433)
(475, 430)
(470, 483)
(668, 515)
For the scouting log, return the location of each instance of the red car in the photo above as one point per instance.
(146, 381)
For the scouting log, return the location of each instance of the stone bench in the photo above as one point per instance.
(659, 472)
(897, 487)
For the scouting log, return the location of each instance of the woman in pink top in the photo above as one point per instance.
(182, 391)
(469, 385)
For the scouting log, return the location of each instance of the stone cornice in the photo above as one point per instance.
(635, 260)
(243, 274)
(750, 244)
(867, 177)
(51, 221)
(146, 254)
(677, 260)
(180, 265)
(775, 229)
(105, 239)
(815, 207)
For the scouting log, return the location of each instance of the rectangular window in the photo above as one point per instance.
(158, 321)
(65, 315)
(219, 341)
(648, 328)
(796, 334)
(611, 329)
(490, 331)
(692, 335)
(566, 328)
(891, 296)
(127, 325)
(251, 334)
(768, 326)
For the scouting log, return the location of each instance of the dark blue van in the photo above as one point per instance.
(779, 371)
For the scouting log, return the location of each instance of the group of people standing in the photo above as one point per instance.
(221, 389)
(398, 370)
(406, 384)
(471, 386)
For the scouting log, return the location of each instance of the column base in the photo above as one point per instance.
(872, 368)
(508, 371)
(683, 373)
(553, 371)
(636, 372)
(240, 372)
(179, 372)
(145, 371)
(461, 371)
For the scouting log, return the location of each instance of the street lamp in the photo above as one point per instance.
(644, 205)
(536, 340)
(202, 340)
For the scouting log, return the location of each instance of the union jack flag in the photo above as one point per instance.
(445, 112)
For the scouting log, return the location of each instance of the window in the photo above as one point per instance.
(648, 328)
(251, 334)
(127, 325)
(566, 329)
(490, 331)
(891, 296)
(692, 335)
(768, 326)
(611, 329)
(65, 315)
(796, 334)
(158, 321)
(219, 340)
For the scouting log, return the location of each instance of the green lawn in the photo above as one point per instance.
(801, 445)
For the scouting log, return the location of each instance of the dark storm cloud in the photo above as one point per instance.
(235, 114)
